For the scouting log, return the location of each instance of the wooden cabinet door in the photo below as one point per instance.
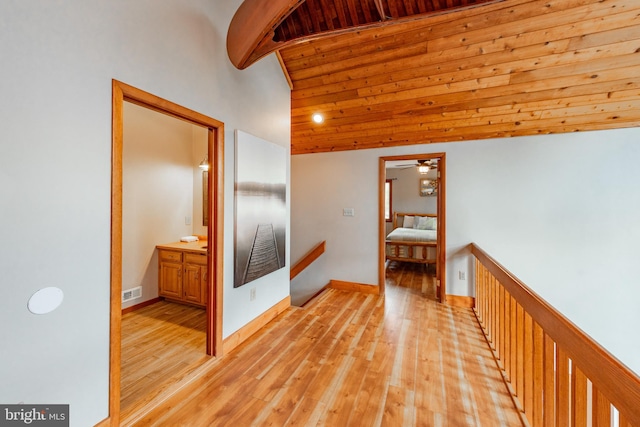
(193, 283)
(170, 280)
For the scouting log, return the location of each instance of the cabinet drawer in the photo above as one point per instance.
(171, 256)
(195, 258)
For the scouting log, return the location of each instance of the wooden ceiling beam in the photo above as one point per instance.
(249, 30)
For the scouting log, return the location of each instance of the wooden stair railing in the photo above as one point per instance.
(306, 260)
(557, 374)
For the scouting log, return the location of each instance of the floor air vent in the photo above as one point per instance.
(132, 293)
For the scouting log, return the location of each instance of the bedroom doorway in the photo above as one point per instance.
(422, 178)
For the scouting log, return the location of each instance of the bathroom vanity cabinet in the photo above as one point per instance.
(182, 272)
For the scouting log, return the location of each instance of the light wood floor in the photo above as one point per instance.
(350, 359)
(161, 344)
(412, 276)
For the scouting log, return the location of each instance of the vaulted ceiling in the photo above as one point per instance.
(314, 17)
(452, 70)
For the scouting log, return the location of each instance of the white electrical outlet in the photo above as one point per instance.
(348, 212)
(187, 220)
(252, 294)
(462, 275)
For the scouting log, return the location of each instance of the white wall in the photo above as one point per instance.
(55, 170)
(269, 289)
(161, 179)
(559, 211)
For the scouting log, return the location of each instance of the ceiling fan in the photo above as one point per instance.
(423, 166)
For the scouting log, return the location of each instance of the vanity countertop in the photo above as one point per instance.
(199, 246)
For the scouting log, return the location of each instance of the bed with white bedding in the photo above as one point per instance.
(413, 239)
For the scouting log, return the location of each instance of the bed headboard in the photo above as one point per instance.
(398, 217)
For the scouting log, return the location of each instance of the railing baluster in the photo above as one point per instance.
(485, 277)
(563, 390)
(479, 293)
(578, 397)
(520, 353)
(514, 346)
(549, 381)
(496, 315)
(495, 311)
(502, 328)
(482, 296)
(507, 333)
(528, 366)
(490, 283)
(601, 409)
(538, 375)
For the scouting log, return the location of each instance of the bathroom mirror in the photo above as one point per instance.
(205, 198)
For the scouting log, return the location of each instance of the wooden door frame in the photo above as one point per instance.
(122, 92)
(441, 212)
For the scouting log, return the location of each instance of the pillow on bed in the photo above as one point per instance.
(426, 223)
(408, 221)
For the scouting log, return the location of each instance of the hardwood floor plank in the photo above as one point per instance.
(394, 409)
(429, 382)
(161, 343)
(353, 359)
(345, 398)
(305, 414)
(289, 397)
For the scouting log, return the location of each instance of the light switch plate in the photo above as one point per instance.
(348, 212)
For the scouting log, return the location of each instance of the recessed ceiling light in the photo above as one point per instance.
(317, 117)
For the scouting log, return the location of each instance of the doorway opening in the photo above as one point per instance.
(412, 200)
(214, 129)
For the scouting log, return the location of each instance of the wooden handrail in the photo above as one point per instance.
(522, 329)
(306, 260)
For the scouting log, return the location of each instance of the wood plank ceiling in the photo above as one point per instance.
(520, 67)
